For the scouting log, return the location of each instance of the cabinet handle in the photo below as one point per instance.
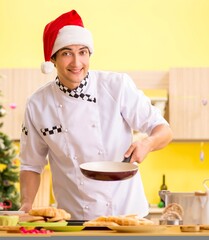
(204, 102)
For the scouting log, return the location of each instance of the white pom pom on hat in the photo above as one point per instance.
(47, 67)
(67, 29)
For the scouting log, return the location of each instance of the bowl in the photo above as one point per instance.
(12, 212)
(171, 222)
(8, 220)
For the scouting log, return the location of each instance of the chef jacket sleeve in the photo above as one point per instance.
(33, 150)
(137, 110)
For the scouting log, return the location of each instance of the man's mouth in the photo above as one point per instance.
(75, 71)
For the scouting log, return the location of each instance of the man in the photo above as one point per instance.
(85, 116)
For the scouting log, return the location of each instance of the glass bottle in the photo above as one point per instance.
(163, 187)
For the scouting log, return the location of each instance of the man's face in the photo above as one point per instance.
(72, 63)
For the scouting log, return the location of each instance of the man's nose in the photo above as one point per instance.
(76, 60)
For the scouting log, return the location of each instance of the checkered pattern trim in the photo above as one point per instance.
(77, 92)
(53, 130)
(24, 130)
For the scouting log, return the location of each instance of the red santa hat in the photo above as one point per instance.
(67, 29)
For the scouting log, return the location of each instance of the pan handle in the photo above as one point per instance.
(127, 159)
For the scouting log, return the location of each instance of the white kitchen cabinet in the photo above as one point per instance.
(189, 103)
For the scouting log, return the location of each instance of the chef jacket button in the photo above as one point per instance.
(86, 207)
(81, 183)
(66, 130)
(93, 125)
(75, 157)
(60, 105)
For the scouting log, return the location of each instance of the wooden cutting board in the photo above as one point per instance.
(10, 228)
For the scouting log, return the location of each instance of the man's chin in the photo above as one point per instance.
(78, 77)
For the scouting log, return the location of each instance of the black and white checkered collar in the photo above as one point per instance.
(77, 92)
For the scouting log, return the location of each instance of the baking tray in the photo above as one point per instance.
(81, 222)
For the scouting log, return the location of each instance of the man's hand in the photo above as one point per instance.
(29, 184)
(26, 207)
(140, 149)
(160, 136)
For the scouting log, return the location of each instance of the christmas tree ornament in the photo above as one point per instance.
(12, 105)
(2, 111)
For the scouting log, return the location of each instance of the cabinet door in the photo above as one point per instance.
(189, 103)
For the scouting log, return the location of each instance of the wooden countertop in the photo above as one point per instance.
(169, 231)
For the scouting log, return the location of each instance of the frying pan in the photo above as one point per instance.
(109, 171)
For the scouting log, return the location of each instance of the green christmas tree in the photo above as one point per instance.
(9, 171)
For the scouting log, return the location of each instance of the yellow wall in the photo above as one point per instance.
(128, 35)
(181, 164)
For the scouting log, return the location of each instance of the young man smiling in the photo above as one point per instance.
(72, 64)
(85, 116)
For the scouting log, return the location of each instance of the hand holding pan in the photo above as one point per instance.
(109, 171)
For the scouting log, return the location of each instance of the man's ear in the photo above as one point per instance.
(53, 61)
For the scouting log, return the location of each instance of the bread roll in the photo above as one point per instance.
(51, 214)
(174, 207)
(119, 221)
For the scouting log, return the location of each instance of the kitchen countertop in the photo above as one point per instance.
(168, 231)
(156, 210)
(155, 214)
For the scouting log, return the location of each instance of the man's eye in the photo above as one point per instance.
(66, 54)
(84, 52)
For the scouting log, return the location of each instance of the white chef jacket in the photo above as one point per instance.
(71, 131)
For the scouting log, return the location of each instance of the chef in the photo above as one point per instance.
(85, 116)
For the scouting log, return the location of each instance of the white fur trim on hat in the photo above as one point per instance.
(47, 67)
(71, 34)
